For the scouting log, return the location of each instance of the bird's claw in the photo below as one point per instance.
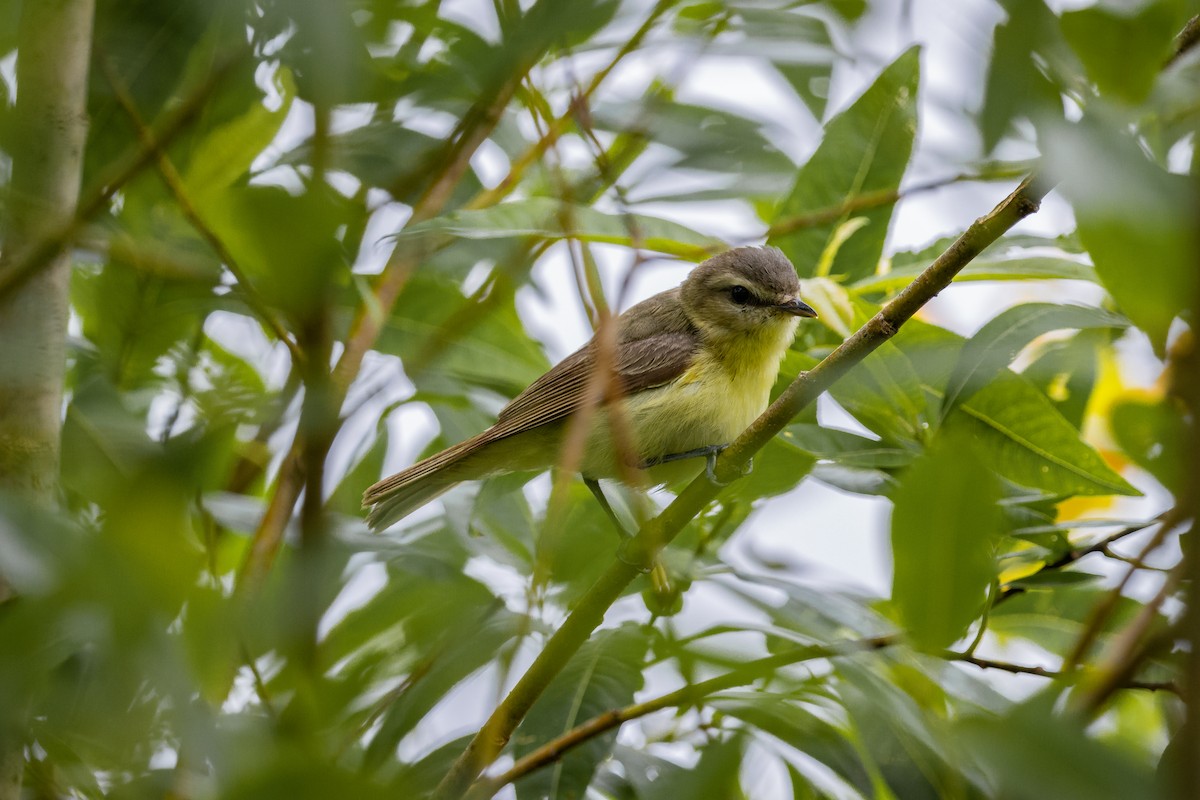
(710, 468)
(710, 454)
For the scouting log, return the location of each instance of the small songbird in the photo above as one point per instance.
(694, 364)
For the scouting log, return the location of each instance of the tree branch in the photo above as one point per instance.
(684, 696)
(1056, 675)
(1077, 553)
(640, 552)
(49, 133)
(174, 122)
(1104, 609)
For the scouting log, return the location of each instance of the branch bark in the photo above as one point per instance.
(1187, 388)
(54, 40)
(639, 555)
(684, 696)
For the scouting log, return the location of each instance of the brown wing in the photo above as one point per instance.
(641, 364)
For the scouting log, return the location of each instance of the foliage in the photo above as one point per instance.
(206, 615)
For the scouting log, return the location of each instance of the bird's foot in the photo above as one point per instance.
(710, 454)
(710, 469)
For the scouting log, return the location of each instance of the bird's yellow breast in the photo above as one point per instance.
(725, 388)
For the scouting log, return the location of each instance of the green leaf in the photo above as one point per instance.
(1137, 221)
(944, 530)
(706, 138)
(286, 244)
(551, 219)
(225, 154)
(1054, 618)
(1016, 86)
(299, 777)
(1033, 753)
(604, 674)
(1066, 370)
(714, 775)
(819, 613)
(865, 149)
(389, 155)
(1048, 578)
(846, 448)
(997, 343)
(886, 394)
(794, 725)
(488, 348)
(778, 468)
(1024, 439)
(900, 728)
(134, 319)
(1155, 436)
(1143, 36)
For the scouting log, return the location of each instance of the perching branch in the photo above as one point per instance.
(658, 532)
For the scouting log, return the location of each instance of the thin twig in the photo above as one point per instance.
(1101, 612)
(1076, 553)
(1126, 652)
(867, 201)
(1054, 675)
(178, 189)
(658, 532)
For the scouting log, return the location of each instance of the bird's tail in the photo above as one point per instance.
(397, 496)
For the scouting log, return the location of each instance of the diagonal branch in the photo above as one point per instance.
(684, 696)
(658, 532)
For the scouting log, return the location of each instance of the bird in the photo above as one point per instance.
(694, 366)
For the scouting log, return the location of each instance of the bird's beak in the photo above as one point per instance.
(796, 307)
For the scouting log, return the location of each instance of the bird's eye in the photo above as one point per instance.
(740, 295)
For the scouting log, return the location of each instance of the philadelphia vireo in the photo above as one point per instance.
(695, 366)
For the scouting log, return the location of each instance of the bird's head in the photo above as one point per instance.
(747, 292)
